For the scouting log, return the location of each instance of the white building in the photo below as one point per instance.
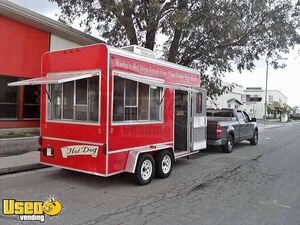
(255, 101)
(232, 100)
(251, 99)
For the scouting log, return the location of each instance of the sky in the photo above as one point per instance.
(286, 80)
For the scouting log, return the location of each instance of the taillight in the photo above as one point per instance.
(218, 130)
(49, 152)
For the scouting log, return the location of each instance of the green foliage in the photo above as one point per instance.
(295, 109)
(213, 36)
(276, 108)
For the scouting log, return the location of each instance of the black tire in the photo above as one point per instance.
(141, 176)
(254, 140)
(228, 146)
(163, 163)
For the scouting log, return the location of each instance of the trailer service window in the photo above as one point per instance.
(134, 101)
(75, 101)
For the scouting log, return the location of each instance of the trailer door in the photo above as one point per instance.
(198, 120)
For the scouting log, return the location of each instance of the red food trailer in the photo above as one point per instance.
(106, 111)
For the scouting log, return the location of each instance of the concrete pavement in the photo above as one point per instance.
(257, 185)
(16, 160)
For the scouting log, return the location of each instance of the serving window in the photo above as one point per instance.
(76, 101)
(136, 101)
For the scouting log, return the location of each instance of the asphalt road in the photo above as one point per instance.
(253, 185)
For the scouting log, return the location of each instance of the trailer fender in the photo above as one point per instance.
(134, 155)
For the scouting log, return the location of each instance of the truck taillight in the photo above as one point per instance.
(218, 130)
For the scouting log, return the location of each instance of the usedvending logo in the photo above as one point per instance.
(79, 150)
(32, 210)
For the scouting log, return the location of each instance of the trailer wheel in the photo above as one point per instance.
(145, 169)
(164, 163)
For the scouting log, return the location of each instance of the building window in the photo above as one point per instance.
(248, 98)
(229, 105)
(134, 101)
(8, 99)
(271, 98)
(75, 101)
(31, 108)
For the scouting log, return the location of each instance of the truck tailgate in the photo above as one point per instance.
(211, 130)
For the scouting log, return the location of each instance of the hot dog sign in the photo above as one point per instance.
(79, 150)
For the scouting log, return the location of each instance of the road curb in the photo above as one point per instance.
(16, 169)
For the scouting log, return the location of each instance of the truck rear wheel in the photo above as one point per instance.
(164, 163)
(228, 146)
(145, 169)
(254, 140)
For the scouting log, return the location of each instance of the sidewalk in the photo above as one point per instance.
(262, 127)
(18, 163)
(273, 124)
(19, 150)
(18, 141)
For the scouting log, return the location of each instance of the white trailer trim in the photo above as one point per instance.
(134, 155)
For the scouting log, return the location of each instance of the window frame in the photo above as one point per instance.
(241, 112)
(135, 122)
(73, 121)
(31, 104)
(17, 104)
(246, 117)
(199, 102)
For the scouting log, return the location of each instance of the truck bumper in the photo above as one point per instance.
(215, 142)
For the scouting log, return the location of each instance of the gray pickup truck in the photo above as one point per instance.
(225, 127)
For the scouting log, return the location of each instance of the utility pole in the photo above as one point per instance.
(266, 92)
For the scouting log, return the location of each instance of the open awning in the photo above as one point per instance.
(153, 81)
(56, 78)
(141, 79)
(182, 88)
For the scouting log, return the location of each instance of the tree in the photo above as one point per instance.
(295, 109)
(213, 36)
(286, 109)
